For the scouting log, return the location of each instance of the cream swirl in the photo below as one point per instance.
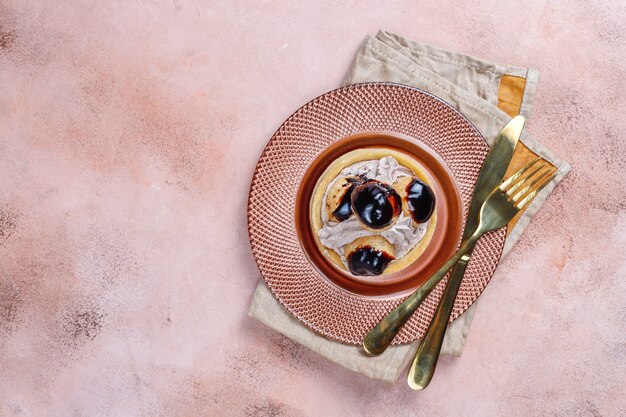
(403, 235)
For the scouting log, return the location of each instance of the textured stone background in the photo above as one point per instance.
(129, 131)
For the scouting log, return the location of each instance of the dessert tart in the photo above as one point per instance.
(373, 211)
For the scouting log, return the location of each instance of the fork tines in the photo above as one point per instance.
(531, 179)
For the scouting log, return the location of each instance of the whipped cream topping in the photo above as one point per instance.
(403, 235)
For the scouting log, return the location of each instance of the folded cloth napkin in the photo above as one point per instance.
(488, 95)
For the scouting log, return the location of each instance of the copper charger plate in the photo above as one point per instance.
(328, 300)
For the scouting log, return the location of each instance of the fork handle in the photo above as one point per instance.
(425, 361)
(379, 338)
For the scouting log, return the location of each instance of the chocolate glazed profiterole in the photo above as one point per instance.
(339, 201)
(369, 255)
(376, 204)
(418, 199)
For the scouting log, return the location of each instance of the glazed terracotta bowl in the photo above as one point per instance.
(447, 229)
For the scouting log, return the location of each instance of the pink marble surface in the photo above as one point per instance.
(128, 136)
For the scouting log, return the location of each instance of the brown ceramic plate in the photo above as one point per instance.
(318, 293)
(447, 227)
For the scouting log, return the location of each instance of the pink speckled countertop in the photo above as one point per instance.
(129, 132)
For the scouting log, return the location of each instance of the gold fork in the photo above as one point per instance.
(499, 208)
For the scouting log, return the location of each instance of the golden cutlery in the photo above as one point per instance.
(501, 206)
(491, 174)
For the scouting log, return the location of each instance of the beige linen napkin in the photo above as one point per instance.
(488, 95)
